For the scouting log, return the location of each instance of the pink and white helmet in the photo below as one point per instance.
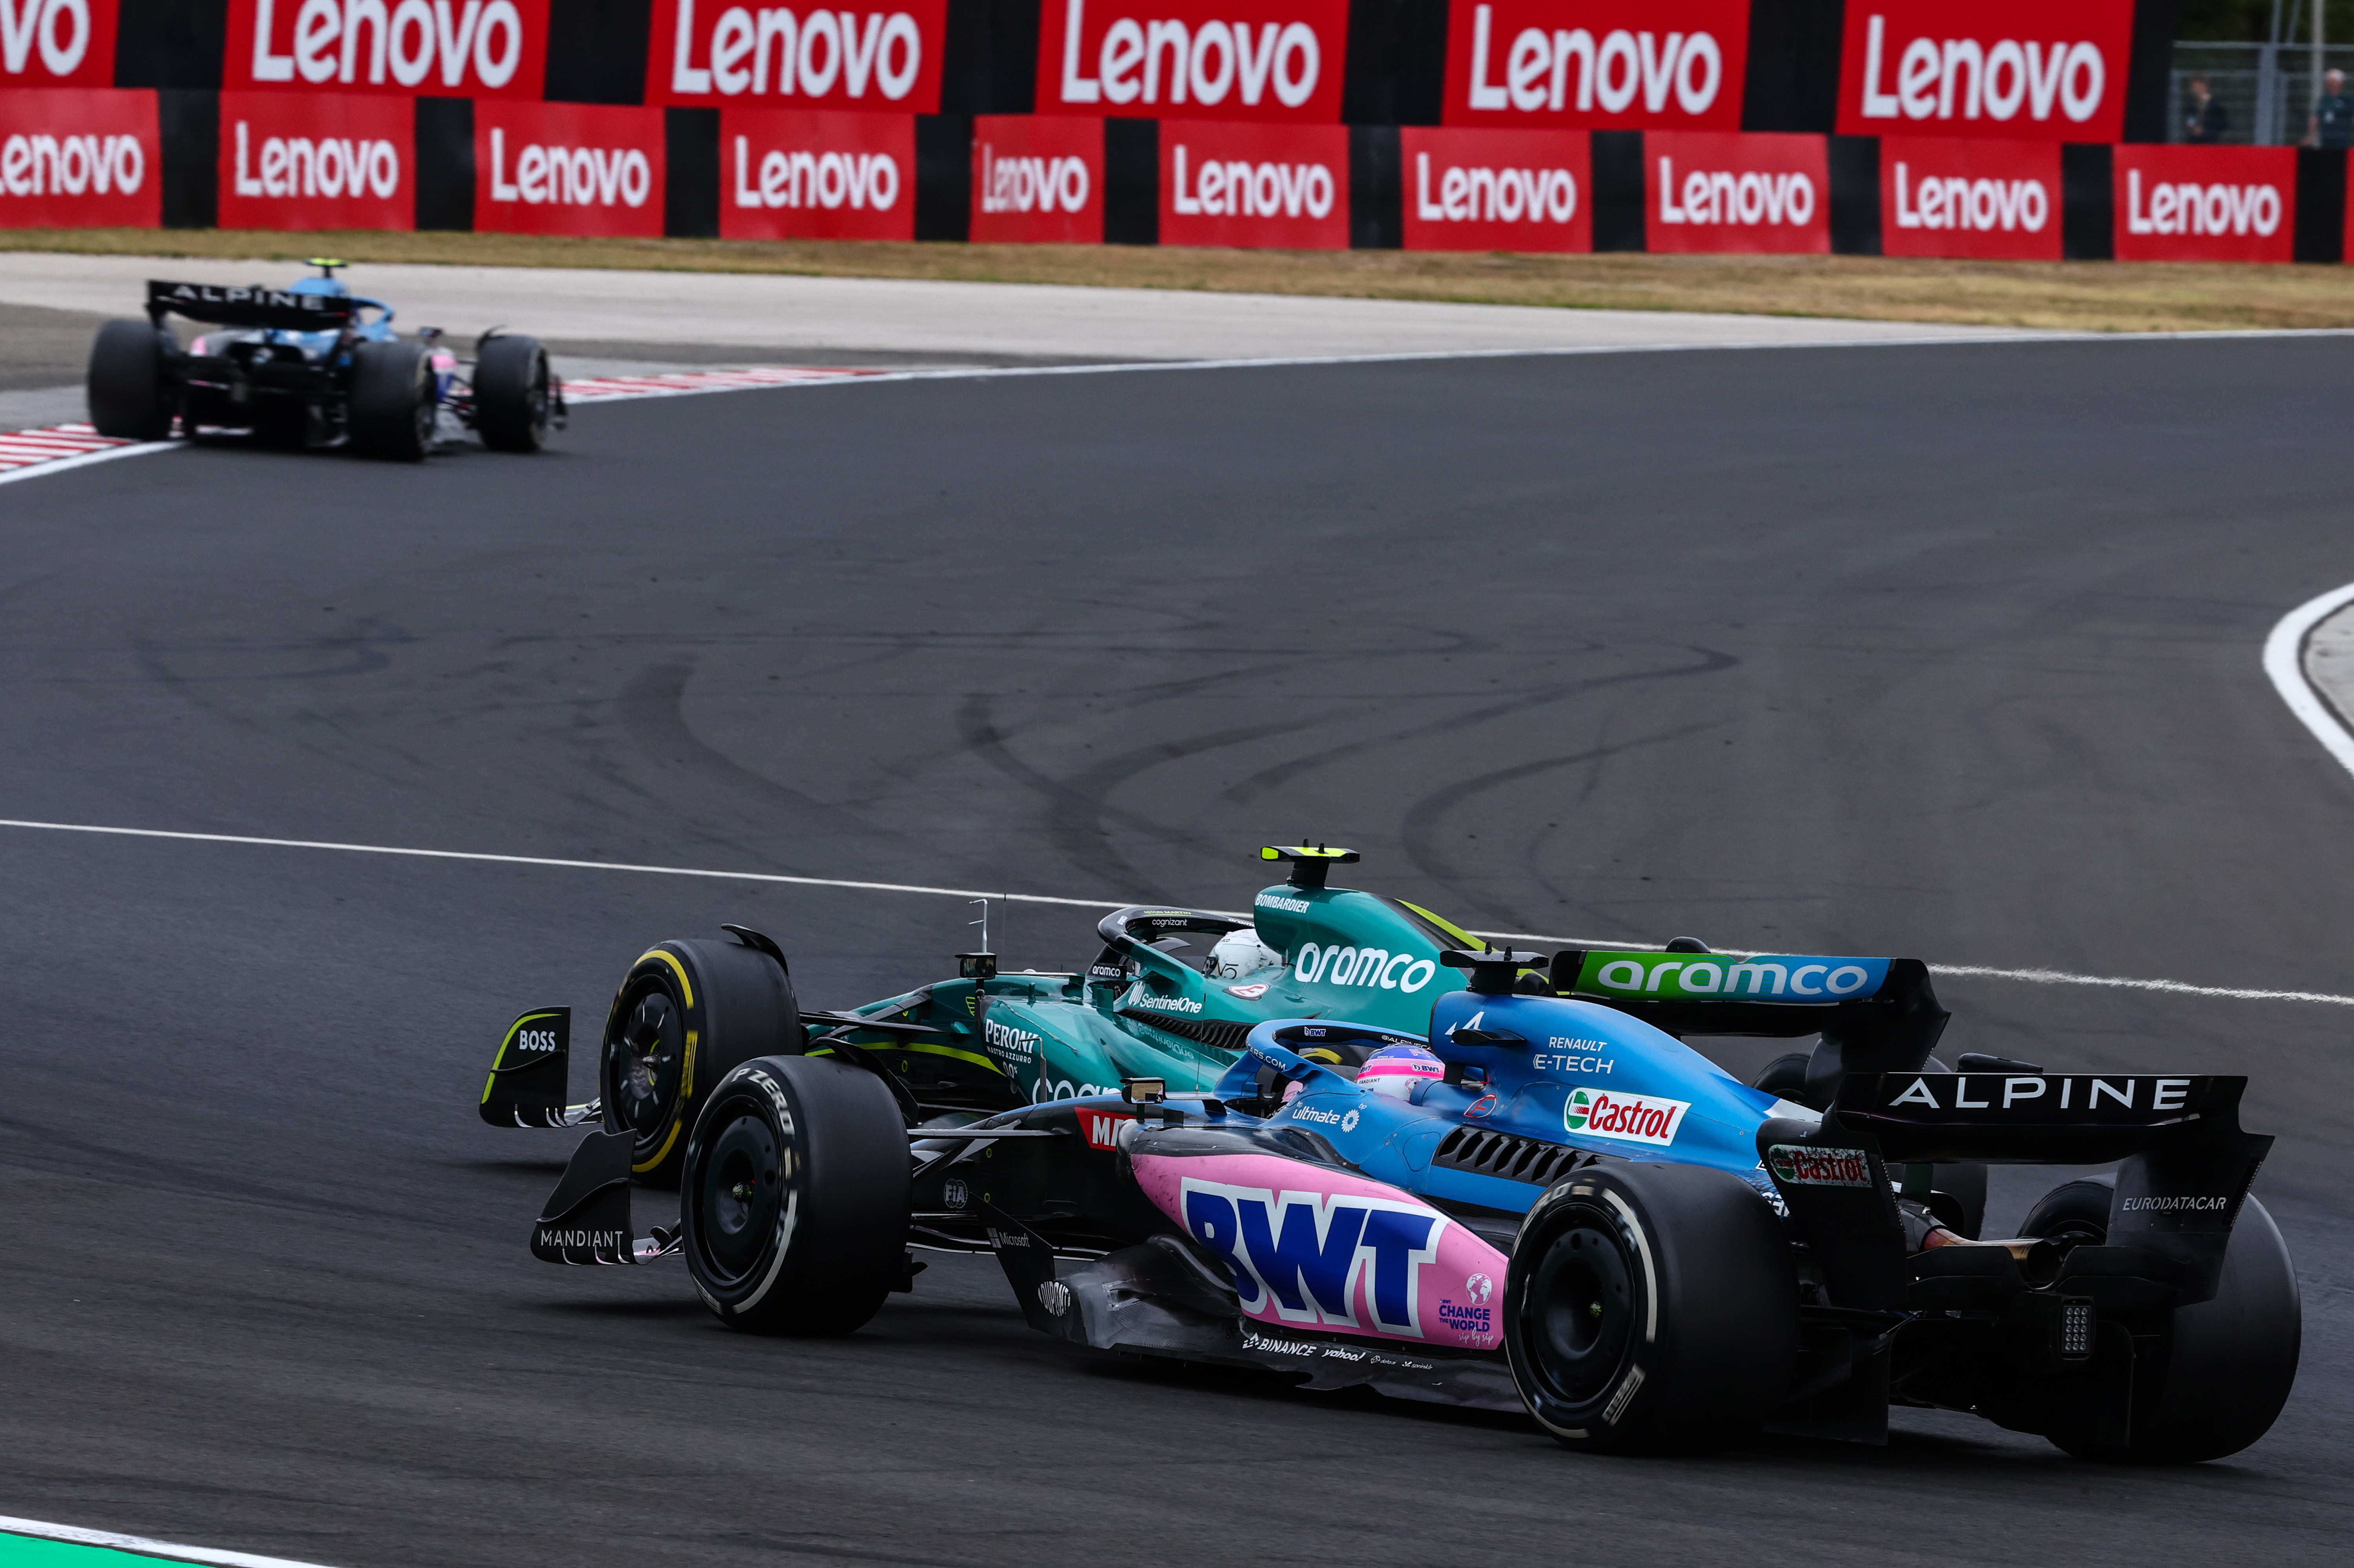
(1394, 1070)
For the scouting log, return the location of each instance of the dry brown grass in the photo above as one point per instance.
(2085, 296)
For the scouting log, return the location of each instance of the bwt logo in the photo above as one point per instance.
(330, 166)
(569, 177)
(2189, 207)
(1489, 195)
(1311, 1257)
(1033, 184)
(353, 40)
(71, 165)
(1366, 966)
(1745, 200)
(1536, 71)
(1154, 62)
(827, 180)
(1935, 79)
(61, 28)
(774, 50)
(1953, 202)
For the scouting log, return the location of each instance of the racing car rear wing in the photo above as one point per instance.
(1876, 1016)
(257, 305)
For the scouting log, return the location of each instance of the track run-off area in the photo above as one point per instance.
(1951, 651)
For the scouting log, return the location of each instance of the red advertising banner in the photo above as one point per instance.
(2205, 203)
(2014, 69)
(1037, 179)
(706, 52)
(1753, 194)
(1220, 59)
(1496, 190)
(56, 43)
(83, 157)
(461, 49)
(1961, 195)
(567, 168)
(317, 160)
(1676, 64)
(817, 174)
(1225, 183)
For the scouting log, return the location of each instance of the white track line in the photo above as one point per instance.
(2030, 977)
(140, 1546)
(2285, 662)
(59, 465)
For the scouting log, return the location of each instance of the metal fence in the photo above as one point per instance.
(2266, 90)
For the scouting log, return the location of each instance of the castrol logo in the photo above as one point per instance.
(1636, 1118)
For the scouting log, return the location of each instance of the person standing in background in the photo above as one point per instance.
(2208, 119)
(2333, 117)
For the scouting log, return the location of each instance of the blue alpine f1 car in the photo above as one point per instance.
(313, 364)
(1543, 1200)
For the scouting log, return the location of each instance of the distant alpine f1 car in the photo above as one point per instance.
(1541, 1200)
(313, 364)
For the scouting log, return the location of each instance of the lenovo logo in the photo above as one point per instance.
(56, 32)
(321, 166)
(1032, 183)
(1475, 195)
(1240, 188)
(812, 54)
(1953, 202)
(442, 44)
(1205, 64)
(41, 164)
(1748, 200)
(1945, 79)
(829, 180)
(569, 177)
(1687, 68)
(2188, 207)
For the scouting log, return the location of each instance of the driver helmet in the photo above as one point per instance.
(1394, 1070)
(1240, 953)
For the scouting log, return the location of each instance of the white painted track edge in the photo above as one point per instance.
(2030, 977)
(140, 1546)
(83, 460)
(2285, 662)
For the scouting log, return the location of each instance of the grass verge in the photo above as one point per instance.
(2078, 295)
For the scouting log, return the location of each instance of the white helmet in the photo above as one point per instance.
(1240, 953)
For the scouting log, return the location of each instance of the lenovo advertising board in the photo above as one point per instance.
(1225, 182)
(1606, 64)
(317, 160)
(457, 49)
(2205, 203)
(886, 57)
(1966, 197)
(1037, 179)
(79, 157)
(2013, 69)
(567, 168)
(56, 43)
(817, 174)
(1496, 190)
(1213, 59)
(1716, 191)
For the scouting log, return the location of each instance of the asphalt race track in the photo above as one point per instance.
(1950, 652)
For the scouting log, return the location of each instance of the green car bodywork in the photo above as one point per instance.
(1140, 1010)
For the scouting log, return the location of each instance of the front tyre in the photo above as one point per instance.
(2214, 1376)
(687, 1012)
(393, 401)
(511, 395)
(1651, 1309)
(795, 1202)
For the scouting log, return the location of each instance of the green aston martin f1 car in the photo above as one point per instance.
(1172, 996)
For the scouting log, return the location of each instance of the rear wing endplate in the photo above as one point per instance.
(255, 306)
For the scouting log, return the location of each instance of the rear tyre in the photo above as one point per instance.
(794, 1207)
(2213, 1378)
(688, 1013)
(130, 382)
(1651, 1309)
(511, 395)
(393, 403)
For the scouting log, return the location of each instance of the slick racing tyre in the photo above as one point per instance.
(1650, 1309)
(511, 395)
(2213, 1378)
(393, 405)
(131, 381)
(794, 1207)
(687, 1012)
